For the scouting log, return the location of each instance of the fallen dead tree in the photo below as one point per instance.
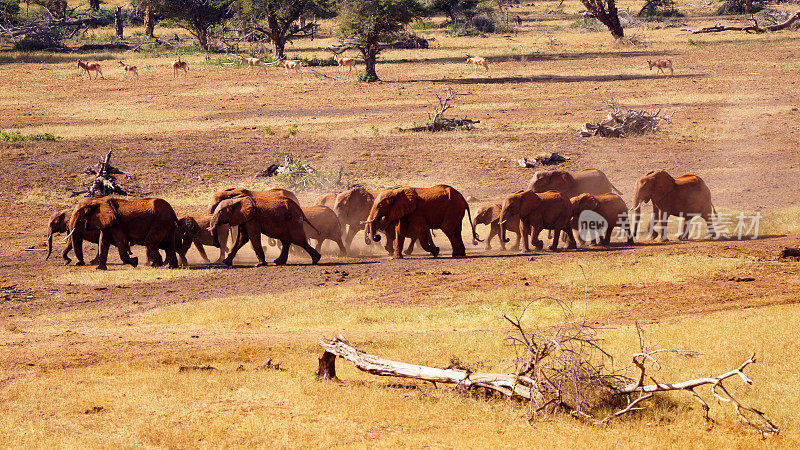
(754, 28)
(438, 122)
(622, 121)
(104, 182)
(44, 26)
(561, 369)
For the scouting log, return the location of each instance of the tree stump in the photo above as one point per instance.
(118, 21)
(327, 367)
(149, 22)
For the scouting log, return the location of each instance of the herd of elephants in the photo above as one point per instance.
(553, 201)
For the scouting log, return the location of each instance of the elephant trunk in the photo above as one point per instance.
(637, 209)
(49, 245)
(503, 232)
(212, 228)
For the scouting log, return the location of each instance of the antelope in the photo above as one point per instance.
(290, 64)
(344, 62)
(89, 68)
(127, 68)
(477, 61)
(253, 62)
(179, 65)
(661, 64)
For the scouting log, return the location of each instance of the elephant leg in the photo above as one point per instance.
(340, 243)
(516, 244)
(318, 247)
(400, 237)
(651, 233)
(710, 223)
(664, 222)
(102, 251)
(284, 256)
(202, 251)
(556, 235)
(494, 229)
(172, 255)
(526, 229)
(410, 249)
(351, 234)
(77, 246)
(456, 241)
(65, 253)
(96, 258)
(570, 237)
(314, 254)
(253, 231)
(241, 239)
(683, 227)
(426, 240)
(607, 238)
(538, 243)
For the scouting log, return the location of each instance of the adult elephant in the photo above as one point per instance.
(194, 230)
(224, 231)
(570, 184)
(490, 215)
(421, 210)
(546, 210)
(279, 218)
(610, 206)
(686, 196)
(59, 223)
(146, 221)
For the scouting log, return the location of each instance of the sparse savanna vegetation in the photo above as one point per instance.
(94, 359)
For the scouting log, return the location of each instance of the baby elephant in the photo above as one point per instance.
(194, 230)
(325, 220)
(538, 211)
(610, 206)
(490, 215)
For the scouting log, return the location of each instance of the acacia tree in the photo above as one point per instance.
(363, 24)
(276, 18)
(606, 12)
(198, 16)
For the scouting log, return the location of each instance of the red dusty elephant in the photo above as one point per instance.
(146, 221)
(59, 223)
(610, 206)
(224, 230)
(684, 196)
(279, 218)
(547, 210)
(421, 210)
(570, 184)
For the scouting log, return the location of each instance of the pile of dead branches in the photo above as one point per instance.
(753, 26)
(104, 182)
(622, 121)
(297, 175)
(564, 369)
(38, 27)
(438, 122)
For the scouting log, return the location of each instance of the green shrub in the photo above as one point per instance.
(587, 23)
(316, 62)
(426, 25)
(364, 77)
(16, 136)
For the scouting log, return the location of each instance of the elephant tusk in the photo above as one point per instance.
(66, 238)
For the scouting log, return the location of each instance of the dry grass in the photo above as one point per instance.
(128, 275)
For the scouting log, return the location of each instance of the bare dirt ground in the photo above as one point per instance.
(737, 125)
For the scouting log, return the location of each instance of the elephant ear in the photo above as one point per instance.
(244, 209)
(405, 202)
(590, 202)
(663, 183)
(105, 214)
(495, 216)
(530, 201)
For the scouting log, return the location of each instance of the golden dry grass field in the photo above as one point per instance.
(91, 360)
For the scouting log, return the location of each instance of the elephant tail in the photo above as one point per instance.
(614, 189)
(305, 219)
(49, 245)
(475, 237)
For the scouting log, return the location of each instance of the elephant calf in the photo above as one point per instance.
(324, 220)
(194, 230)
(610, 206)
(490, 215)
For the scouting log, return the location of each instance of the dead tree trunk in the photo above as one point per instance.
(755, 28)
(327, 367)
(149, 22)
(118, 21)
